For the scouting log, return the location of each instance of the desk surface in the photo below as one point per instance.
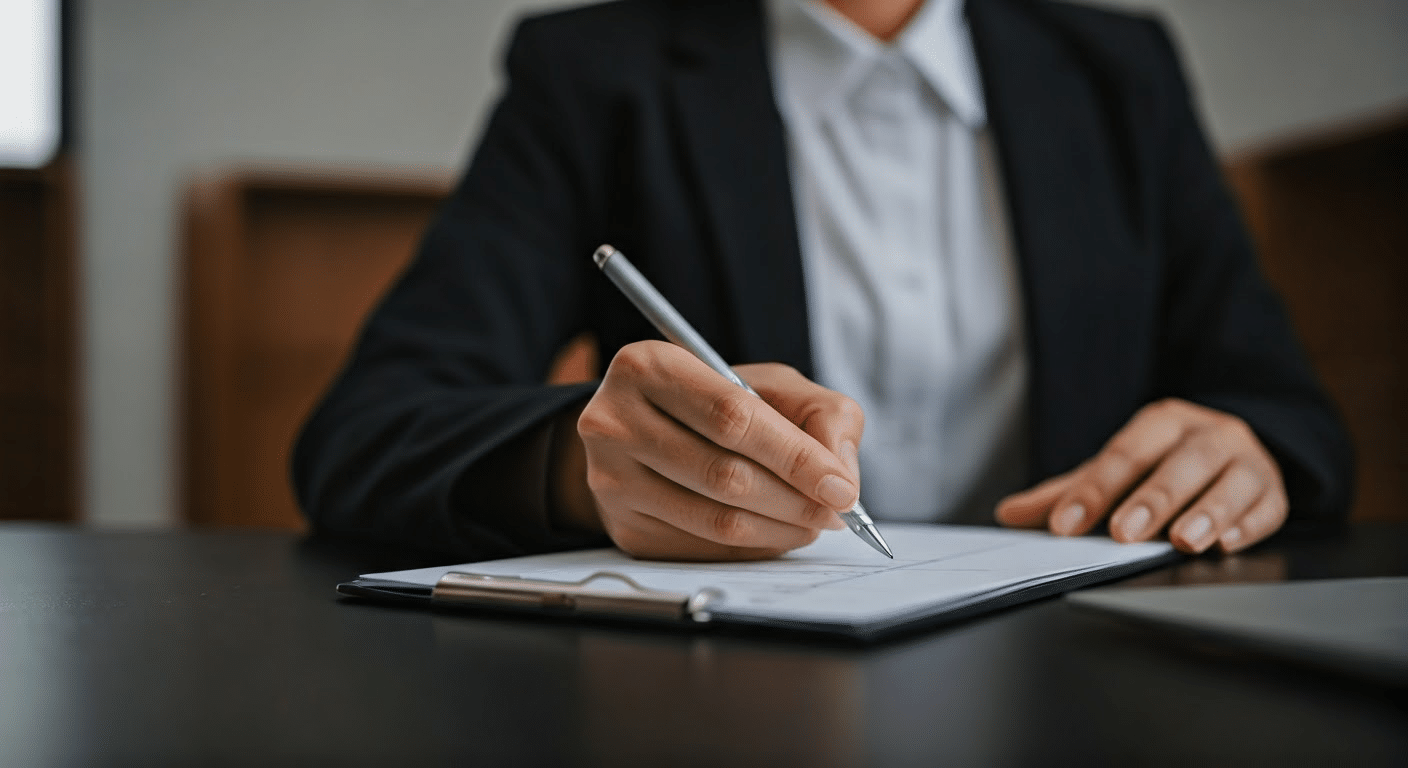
(231, 648)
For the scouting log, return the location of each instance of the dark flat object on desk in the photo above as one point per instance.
(1359, 626)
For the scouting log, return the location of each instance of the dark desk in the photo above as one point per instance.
(231, 648)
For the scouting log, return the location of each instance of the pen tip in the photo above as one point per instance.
(603, 253)
(873, 538)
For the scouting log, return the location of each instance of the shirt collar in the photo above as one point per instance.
(818, 55)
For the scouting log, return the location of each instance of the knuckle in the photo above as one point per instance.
(596, 424)
(814, 514)
(849, 411)
(731, 416)
(1201, 457)
(1218, 512)
(1168, 406)
(603, 484)
(728, 478)
(1235, 431)
(1118, 458)
(1156, 496)
(1110, 471)
(1180, 406)
(782, 370)
(730, 526)
(634, 361)
(1166, 412)
(1257, 487)
(801, 455)
(1246, 481)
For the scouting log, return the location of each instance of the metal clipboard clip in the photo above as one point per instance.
(575, 597)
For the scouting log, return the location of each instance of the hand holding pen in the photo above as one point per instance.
(684, 463)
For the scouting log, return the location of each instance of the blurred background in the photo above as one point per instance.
(199, 199)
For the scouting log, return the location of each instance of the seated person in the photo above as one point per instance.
(957, 248)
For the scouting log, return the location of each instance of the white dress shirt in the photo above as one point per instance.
(913, 295)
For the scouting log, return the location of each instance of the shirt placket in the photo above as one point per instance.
(905, 267)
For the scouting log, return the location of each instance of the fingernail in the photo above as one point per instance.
(836, 492)
(1194, 532)
(1068, 519)
(851, 457)
(1231, 536)
(1135, 522)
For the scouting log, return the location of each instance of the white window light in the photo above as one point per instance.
(29, 82)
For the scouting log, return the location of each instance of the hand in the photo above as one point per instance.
(678, 463)
(1201, 470)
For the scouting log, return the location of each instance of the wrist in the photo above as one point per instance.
(571, 504)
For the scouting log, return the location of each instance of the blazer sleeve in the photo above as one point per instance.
(437, 433)
(1226, 341)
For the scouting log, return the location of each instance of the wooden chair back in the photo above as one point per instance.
(1330, 216)
(281, 270)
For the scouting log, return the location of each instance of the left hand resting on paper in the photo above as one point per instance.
(1202, 475)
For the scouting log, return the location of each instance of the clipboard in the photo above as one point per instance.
(835, 586)
(566, 598)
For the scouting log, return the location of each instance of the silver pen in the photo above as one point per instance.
(675, 328)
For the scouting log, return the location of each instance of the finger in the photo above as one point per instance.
(737, 421)
(1182, 476)
(1107, 477)
(685, 458)
(1263, 519)
(638, 491)
(835, 420)
(1032, 507)
(639, 429)
(1234, 492)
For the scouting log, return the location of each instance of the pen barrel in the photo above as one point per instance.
(658, 310)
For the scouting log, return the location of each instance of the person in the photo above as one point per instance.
(995, 226)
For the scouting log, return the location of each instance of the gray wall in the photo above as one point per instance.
(1267, 69)
(170, 88)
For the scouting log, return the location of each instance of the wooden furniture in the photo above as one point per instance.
(1330, 215)
(38, 412)
(281, 269)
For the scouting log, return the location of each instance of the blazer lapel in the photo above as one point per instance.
(1074, 242)
(735, 149)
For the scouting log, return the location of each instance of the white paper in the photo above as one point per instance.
(839, 579)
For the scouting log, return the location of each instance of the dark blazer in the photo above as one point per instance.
(651, 125)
